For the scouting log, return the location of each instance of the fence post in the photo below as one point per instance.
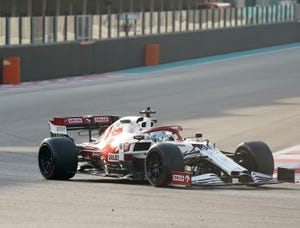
(158, 21)
(100, 26)
(90, 26)
(247, 15)
(161, 11)
(219, 18)
(143, 17)
(44, 29)
(230, 17)
(143, 22)
(285, 12)
(293, 12)
(31, 31)
(276, 14)
(151, 15)
(180, 18)
(240, 16)
(109, 21)
(119, 18)
(213, 18)
(236, 16)
(271, 14)
(118, 25)
(252, 16)
(224, 17)
(206, 18)
(66, 28)
(200, 18)
(75, 27)
(194, 19)
(135, 26)
(167, 21)
(267, 14)
(296, 12)
(20, 30)
(187, 19)
(257, 16)
(173, 20)
(126, 25)
(55, 29)
(7, 31)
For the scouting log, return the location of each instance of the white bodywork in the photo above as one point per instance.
(120, 138)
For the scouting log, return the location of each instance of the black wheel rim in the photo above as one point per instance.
(154, 168)
(244, 159)
(45, 160)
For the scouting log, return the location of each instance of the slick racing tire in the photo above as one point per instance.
(57, 158)
(160, 161)
(255, 156)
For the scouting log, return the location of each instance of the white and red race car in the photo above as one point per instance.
(134, 148)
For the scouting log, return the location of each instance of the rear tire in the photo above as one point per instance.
(160, 161)
(255, 156)
(57, 158)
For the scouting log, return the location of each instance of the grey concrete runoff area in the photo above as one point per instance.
(230, 101)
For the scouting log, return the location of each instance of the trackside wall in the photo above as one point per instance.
(43, 62)
(298, 32)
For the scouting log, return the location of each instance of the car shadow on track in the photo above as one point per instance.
(106, 180)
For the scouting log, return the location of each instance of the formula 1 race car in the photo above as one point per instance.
(134, 148)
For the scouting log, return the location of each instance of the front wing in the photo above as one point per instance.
(185, 179)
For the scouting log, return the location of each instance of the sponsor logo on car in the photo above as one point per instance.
(181, 179)
(101, 119)
(178, 178)
(54, 129)
(75, 120)
(113, 157)
(60, 128)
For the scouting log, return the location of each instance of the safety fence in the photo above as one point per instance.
(36, 30)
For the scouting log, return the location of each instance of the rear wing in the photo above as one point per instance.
(60, 126)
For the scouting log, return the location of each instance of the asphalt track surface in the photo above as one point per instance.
(230, 101)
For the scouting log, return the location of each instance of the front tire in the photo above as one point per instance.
(255, 156)
(57, 158)
(160, 161)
